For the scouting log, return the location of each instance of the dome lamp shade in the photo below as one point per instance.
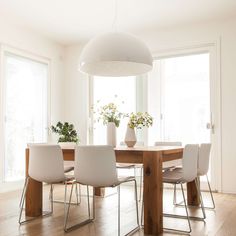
(115, 54)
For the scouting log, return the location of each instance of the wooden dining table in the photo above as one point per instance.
(151, 158)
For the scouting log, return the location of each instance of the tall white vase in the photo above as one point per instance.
(111, 134)
(130, 137)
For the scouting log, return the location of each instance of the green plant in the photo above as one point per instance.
(139, 120)
(66, 132)
(109, 113)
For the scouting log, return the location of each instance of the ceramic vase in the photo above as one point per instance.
(130, 137)
(111, 134)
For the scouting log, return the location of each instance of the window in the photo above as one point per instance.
(182, 105)
(116, 89)
(25, 110)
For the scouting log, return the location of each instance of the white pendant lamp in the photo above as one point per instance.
(115, 54)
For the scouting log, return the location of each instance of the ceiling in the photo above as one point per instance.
(74, 21)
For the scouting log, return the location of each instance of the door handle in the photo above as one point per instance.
(211, 127)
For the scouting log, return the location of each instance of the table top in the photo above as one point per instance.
(165, 149)
(148, 148)
(168, 149)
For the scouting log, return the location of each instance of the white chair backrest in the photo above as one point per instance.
(137, 144)
(95, 165)
(204, 158)
(190, 162)
(168, 144)
(46, 163)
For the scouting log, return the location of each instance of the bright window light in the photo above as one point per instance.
(25, 111)
(121, 91)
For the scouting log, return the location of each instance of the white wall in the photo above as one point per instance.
(77, 92)
(76, 96)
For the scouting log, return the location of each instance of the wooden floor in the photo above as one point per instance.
(221, 222)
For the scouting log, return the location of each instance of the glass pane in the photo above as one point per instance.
(186, 98)
(25, 111)
(120, 91)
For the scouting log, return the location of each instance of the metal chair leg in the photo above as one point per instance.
(89, 220)
(205, 207)
(137, 215)
(78, 197)
(51, 193)
(142, 209)
(186, 209)
(22, 201)
(141, 183)
(181, 217)
(67, 209)
(136, 200)
(174, 198)
(22, 206)
(118, 191)
(212, 199)
(78, 194)
(88, 197)
(197, 181)
(201, 204)
(93, 204)
(23, 192)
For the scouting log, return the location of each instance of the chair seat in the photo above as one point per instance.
(126, 179)
(173, 176)
(66, 178)
(128, 165)
(68, 169)
(122, 180)
(179, 169)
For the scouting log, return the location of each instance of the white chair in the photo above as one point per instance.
(203, 166)
(169, 164)
(188, 173)
(96, 166)
(68, 167)
(46, 166)
(134, 167)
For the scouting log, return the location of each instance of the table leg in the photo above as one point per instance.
(192, 194)
(34, 194)
(153, 193)
(100, 192)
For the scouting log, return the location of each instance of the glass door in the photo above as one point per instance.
(185, 102)
(25, 111)
(180, 99)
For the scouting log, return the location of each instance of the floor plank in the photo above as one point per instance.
(220, 222)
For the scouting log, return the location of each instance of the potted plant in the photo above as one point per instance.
(136, 120)
(111, 117)
(66, 132)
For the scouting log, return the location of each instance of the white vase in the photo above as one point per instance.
(111, 134)
(130, 137)
(67, 145)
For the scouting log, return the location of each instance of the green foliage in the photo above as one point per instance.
(139, 120)
(66, 132)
